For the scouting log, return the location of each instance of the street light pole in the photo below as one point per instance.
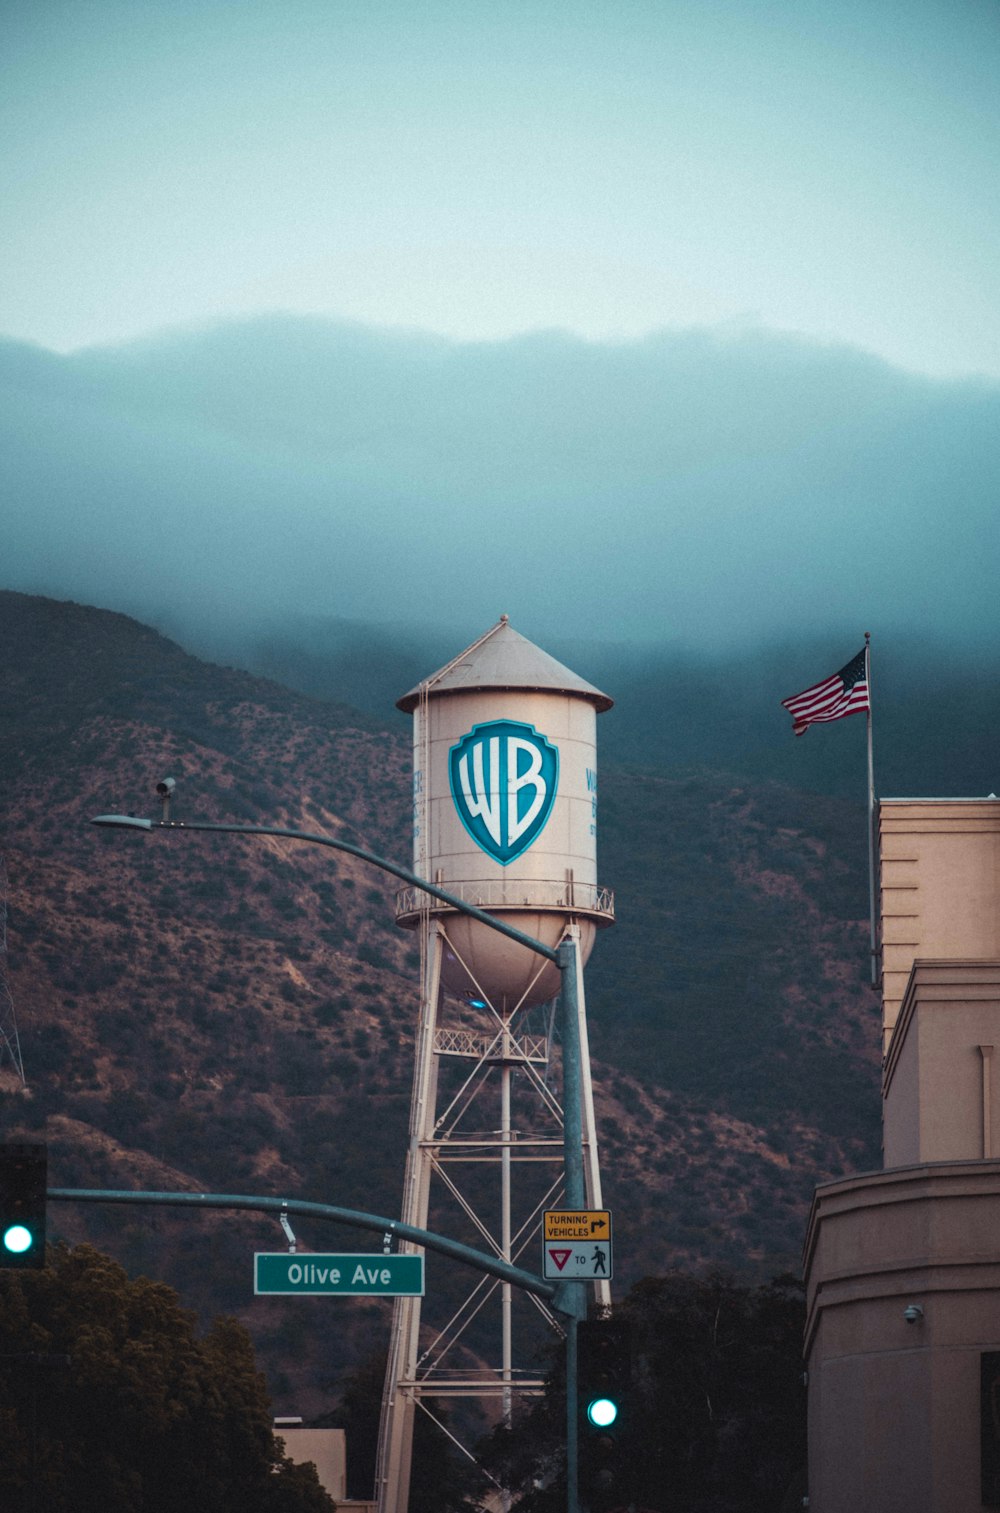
(570, 1298)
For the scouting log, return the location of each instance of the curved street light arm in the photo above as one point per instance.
(129, 822)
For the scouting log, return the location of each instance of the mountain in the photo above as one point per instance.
(238, 1014)
(700, 488)
(676, 707)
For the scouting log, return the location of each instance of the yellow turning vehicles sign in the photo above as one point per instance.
(578, 1224)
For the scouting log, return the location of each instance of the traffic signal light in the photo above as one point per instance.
(604, 1376)
(23, 1180)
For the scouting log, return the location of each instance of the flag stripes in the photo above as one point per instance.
(846, 692)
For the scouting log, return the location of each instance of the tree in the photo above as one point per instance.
(714, 1418)
(440, 1482)
(110, 1402)
(719, 1424)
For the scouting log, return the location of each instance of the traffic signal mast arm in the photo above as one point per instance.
(492, 1265)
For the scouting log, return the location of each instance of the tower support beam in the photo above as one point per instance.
(419, 1368)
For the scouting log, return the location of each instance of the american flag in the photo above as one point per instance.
(843, 694)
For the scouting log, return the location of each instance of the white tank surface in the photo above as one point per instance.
(505, 811)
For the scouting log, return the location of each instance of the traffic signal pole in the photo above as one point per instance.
(571, 1299)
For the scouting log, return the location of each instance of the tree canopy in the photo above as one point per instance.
(440, 1481)
(111, 1401)
(713, 1408)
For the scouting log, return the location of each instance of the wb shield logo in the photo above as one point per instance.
(503, 779)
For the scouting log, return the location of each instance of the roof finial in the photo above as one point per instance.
(504, 619)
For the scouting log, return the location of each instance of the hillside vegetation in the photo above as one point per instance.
(238, 1015)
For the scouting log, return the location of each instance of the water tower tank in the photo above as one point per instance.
(505, 811)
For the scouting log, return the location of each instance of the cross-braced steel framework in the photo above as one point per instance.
(484, 1107)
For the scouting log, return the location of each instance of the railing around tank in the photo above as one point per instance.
(477, 1046)
(511, 893)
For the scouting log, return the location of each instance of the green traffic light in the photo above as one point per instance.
(602, 1412)
(23, 1172)
(17, 1239)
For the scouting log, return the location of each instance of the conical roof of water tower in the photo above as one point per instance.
(504, 659)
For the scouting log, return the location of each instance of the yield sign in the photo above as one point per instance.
(586, 1261)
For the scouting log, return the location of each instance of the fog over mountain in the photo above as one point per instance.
(702, 489)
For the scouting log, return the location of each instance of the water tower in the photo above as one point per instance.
(504, 817)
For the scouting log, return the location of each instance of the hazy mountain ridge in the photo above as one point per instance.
(270, 461)
(239, 1015)
(679, 707)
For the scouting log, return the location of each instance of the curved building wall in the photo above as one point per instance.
(895, 1406)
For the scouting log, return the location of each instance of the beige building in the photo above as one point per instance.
(902, 1265)
(327, 1449)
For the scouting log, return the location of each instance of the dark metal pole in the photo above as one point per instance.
(572, 1418)
(569, 1009)
(571, 1299)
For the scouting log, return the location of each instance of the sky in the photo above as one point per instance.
(671, 322)
(825, 167)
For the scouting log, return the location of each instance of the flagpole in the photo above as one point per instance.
(871, 820)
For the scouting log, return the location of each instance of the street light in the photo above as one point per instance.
(570, 1299)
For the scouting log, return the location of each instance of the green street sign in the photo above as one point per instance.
(350, 1275)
